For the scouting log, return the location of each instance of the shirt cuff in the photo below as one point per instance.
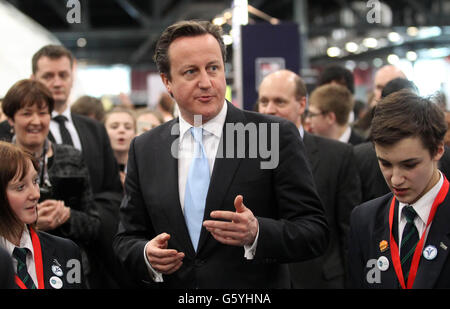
(155, 275)
(250, 251)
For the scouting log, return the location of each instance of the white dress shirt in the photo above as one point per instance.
(212, 133)
(25, 242)
(422, 208)
(54, 128)
(345, 137)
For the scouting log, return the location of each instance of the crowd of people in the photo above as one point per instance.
(132, 198)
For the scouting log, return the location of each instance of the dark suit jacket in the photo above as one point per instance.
(370, 225)
(6, 271)
(356, 138)
(62, 250)
(337, 182)
(292, 226)
(373, 184)
(5, 131)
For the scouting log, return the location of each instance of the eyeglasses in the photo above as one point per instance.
(310, 114)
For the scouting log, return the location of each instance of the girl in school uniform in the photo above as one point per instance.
(40, 260)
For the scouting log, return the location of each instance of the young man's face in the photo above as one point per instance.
(320, 122)
(57, 75)
(408, 168)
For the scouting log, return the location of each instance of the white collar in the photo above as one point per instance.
(345, 137)
(301, 131)
(423, 205)
(25, 242)
(213, 126)
(65, 113)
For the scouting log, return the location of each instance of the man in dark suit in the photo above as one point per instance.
(256, 213)
(401, 239)
(53, 66)
(283, 94)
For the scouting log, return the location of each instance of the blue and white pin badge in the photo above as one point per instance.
(430, 252)
(57, 270)
(383, 263)
(56, 282)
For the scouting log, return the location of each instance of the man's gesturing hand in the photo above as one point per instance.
(163, 260)
(240, 229)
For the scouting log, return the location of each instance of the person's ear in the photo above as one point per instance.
(166, 83)
(440, 151)
(331, 117)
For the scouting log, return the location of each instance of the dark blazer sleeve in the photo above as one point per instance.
(6, 270)
(355, 263)
(298, 231)
(135, 228)
(348, 197)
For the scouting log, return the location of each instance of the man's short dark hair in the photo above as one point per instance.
(189, 28)
(53, 52)
(404, 114)
(338, 74)
(398, 84)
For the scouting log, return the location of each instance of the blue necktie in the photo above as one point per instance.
(196, 188)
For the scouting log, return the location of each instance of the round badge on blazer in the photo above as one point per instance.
(56, 282)
(57, 270)
(430, 252)
(383, 263)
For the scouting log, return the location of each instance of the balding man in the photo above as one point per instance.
(283, 94)
(383, 76)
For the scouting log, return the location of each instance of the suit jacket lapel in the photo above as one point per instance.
(169, 192)
(223, 173)
(429, 270)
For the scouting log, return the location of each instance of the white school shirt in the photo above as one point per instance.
(422, 208)
(25, 242)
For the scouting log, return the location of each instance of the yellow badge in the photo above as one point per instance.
(384, 245)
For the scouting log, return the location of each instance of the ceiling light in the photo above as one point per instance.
(412, 31)
(411, 56)
(219, 21)
(370, 42)
(394, 37)
(333, 51)
(377, 62)
(81, 42)
(227, 39)
(351, 47)
(393, 59)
